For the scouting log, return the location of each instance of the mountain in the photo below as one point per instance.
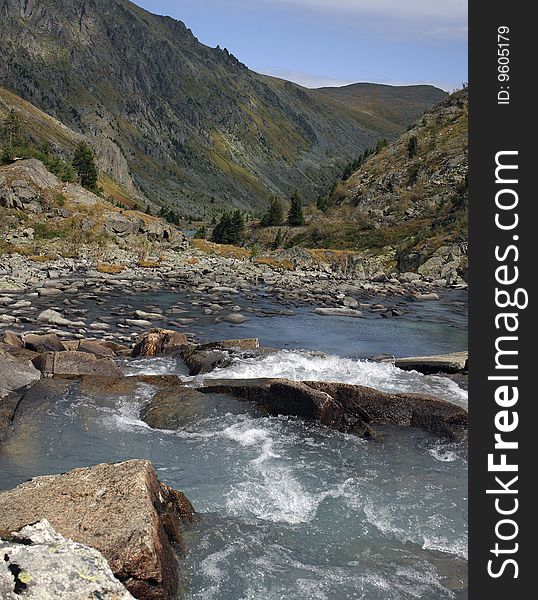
(407, 201)
(40, 130)
(398, 105)
(178, 122)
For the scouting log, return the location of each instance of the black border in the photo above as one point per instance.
(493, 128)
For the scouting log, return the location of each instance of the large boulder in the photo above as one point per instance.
(40, 564)
(76, 363)
(121, 510)
(159, 341)
(348, 408)
(43, 343)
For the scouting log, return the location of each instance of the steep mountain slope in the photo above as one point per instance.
(409, 200)
(194, 127)
(40, 130)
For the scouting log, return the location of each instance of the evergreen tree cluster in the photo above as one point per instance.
(14, 142)
(230, 229)
(351, 167)
(170, 216)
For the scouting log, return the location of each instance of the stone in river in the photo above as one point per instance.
(159, 341)
(235, 318)
(138, 322)
(350, 302)
(55, 318)
(430, 296)
(140, 314)
(338, 312)
(121, 510)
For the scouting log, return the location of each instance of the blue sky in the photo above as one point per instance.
(335, 42)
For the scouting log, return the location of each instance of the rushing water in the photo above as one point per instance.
(290, 510)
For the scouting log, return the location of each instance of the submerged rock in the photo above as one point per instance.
(40, 564)
(121, 510)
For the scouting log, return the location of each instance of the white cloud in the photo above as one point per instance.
(393, 19)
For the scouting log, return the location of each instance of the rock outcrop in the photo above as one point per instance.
(348, 408)
(121, 510)
(40, 564)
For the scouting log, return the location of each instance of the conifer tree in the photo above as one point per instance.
(84, 163)
(275, 214)
(295, 215)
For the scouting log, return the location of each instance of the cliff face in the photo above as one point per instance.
(186, 125)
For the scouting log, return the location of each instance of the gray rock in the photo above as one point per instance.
(76, 363)
(338, 312)
(121, 510)
(43, 343)
(16, 375)
(40, 564)
(55, 318)
(235, 318)
(455, 362)
(350, 302)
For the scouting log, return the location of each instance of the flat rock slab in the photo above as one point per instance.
(348, 408)
(40, 564)
(455, 362)
(121, 510)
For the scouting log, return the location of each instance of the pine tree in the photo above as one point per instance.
(275, 214)
(11, 128)
(84, 163)
(237, 228)
(295, 215)
(412, 146)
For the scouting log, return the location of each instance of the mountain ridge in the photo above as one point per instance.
(196, 128)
